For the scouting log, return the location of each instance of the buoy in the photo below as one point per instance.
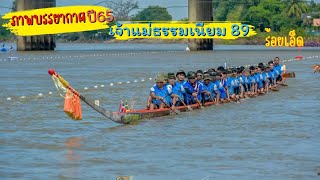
(111, 84)
(50, 92)
(9, 98)
(135, 81)
(187, 49)
(150, 79)
(85, 88)
(102, 85)
(119, 82)
(96, 87)
(128, 82)
(22, 97)
(142, 80)
(40, 94)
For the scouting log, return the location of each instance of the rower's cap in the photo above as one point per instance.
(165, 76)
(191, 75)
(159, 78)
(199, 72)
(220, 68)
(181, 72)
(234, 70)
(171, 76)
(207, 77)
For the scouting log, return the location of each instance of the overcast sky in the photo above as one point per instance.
(177, 12)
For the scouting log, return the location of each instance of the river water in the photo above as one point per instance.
(275, 136)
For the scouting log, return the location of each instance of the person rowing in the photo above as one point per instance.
(210, 88)
(178, 91)
(273, 74)
(161, 95)
(194, 89)
(280, 68)
(252, 82)
(199, 74)
(242, 79)
(221, 86)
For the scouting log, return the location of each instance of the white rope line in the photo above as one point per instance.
(10, 59)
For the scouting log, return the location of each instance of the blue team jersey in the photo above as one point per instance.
(265, 76)
(251, 79)
(197, 88)
(178, 90)
(165, 92)
(222, 90)
(212, 88)
(278, 68)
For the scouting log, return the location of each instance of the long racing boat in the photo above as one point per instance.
(133, 115)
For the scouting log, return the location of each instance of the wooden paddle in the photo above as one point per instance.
(316, 68)
(168, 106)
(188, 107)
(289, 75)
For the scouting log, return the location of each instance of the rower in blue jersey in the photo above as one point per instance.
(280, 68)
(199, 77)
(229, 86)
(269, 77)
(209, 88)
(259, 79)
(247, 84)
(222, 90)
(193, 88)
(242, 80)
(160, 94)
(232, 85)
(179, 93)
(181, 75)
(214, 76)
(274, 74)
(252, 83)
(265, 77)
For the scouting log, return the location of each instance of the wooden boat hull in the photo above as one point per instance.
(136, 115)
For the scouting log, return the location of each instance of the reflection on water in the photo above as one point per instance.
(72, 144)
(72, 158)
(272, 136)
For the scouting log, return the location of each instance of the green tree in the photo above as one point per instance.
(235, 14)
(153, 13)
(4, 33)
(295, 8)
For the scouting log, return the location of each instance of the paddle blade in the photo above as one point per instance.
(289, 75)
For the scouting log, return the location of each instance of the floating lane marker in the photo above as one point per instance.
(95, 87)
(22, 97)
(50, 92)
(40, 94)
(9, 99)
(85, 88)
(128, 82)
(102, 86)
(135, 81)
(111, 84)
(119, 82)
(142, 80)
(150, 79)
